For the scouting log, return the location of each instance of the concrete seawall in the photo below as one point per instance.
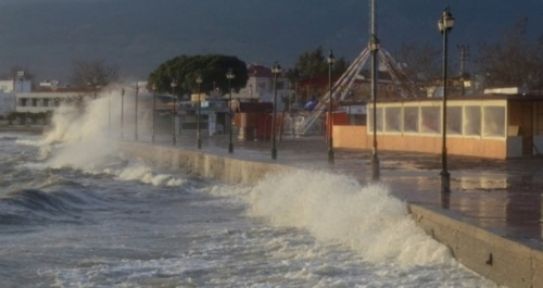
(504, 261)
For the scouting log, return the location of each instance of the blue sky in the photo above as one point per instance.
(48, 35)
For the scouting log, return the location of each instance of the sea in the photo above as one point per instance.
(77, 212)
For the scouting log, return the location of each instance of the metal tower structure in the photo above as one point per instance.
(343, 86)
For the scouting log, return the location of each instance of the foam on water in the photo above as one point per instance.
(337, 209)
(143, 173)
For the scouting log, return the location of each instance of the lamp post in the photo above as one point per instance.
(109, 113)
(122, 113)
(374, 49)
(445, 25)
(136, 111)
(174, 110)
(230, 76)
(153, 89)
(331, 61)
(276, 70)
(199, 81)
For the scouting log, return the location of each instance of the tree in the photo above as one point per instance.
(514, 61)
(421, 62)
(185, 69)
(93, 74)
(313, 64)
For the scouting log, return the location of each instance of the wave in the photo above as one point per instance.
(144, 174)
(337, 209)
(34, 206)
(82, 139)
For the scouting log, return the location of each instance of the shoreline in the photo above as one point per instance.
(502, 260)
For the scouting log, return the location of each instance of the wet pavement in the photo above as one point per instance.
(502, 196)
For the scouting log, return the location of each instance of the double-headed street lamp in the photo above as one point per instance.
(174, 85)
(276, 71)
(199, 81)
(230, 76)
(331, 61)
(445, 25)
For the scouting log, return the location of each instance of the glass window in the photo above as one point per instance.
(472, 121)
(431, 119)
(411, 119)
(393, 119)
(454, 120)
(494, 121)
(379, 119)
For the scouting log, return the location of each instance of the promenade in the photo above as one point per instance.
(504, 197)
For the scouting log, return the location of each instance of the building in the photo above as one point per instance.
(8, 88)
(260, 88)
(490, 126)
(44, 102)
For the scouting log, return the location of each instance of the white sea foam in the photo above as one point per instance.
(143, 173)
(337, 209)
(84, 139)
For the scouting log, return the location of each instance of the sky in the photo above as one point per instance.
(47, 36)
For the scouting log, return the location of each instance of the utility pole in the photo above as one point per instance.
(374, 49)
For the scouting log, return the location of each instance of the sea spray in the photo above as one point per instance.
(337, 209)
(85, 139)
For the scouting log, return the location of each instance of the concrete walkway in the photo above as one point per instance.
(504, 197)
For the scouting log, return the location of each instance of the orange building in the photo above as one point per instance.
(490, 126)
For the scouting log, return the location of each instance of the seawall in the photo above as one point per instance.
(502, 260)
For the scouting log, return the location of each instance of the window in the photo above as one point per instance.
(494, 121)
(411, 119)
(379, 119)
(454, 120)
(472, 125)
(431, 119)
(393, 119)
(45, 102)
(23, 102)
(34, 102)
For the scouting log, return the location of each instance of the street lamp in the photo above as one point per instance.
(153, 89)
(122, 113)
(230, 76)
(174, 85)
(136, 111)
(374, 49)
(276, 70)
(199, 81)
(445, 25)
(331, 61)
(109, 113)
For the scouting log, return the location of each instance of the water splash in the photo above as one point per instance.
(87, 139)
(337, 209)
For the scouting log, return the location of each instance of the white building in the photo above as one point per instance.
(7, 103)
(8, 88)
(41, 102)
(260, 86)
